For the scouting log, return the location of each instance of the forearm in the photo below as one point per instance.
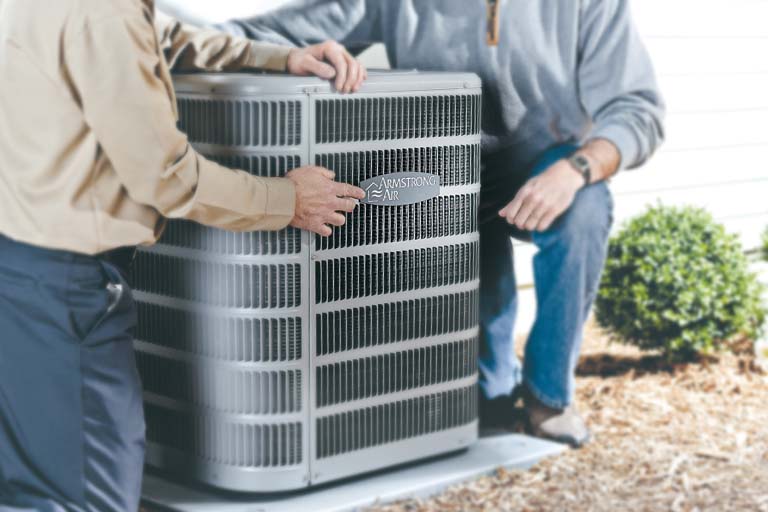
(353, 23)
(603, 157)
(234, 200)
(189, 48)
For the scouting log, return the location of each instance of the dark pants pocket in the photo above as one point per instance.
(71, 416)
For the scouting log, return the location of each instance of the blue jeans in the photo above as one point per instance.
(567, 270)
(71, 414)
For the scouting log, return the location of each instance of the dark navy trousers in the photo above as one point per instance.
(71, 416)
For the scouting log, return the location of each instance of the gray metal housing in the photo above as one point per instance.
(275, 361)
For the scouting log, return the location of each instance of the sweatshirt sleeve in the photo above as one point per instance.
(617, 83)
(116, 69)
(188, 48)
(354, 23)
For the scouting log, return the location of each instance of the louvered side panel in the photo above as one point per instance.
(241, 123)
(223, 326)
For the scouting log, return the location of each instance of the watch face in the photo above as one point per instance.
(581, 164)
(581, 161)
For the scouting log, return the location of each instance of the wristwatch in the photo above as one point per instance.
(581, 165)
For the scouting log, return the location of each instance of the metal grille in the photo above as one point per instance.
(218, 284)
(371, 224)
(392, 322)
(396, 371)
(220, 388)
(189, 235)
(271, 166)
(377, 274)
(216, 440)
(387, 423)
(456, 165)
(446, 256)
(220, 336)
(390, 301)
(402, 117)
(241, 123)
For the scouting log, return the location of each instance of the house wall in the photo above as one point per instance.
(711, 58)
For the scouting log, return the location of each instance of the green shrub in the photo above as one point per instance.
(676, 281)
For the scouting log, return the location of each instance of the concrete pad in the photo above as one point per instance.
(415, 480)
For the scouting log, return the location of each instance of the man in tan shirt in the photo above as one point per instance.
(91, 162)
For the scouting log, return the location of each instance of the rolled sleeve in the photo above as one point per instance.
(189, 48)
(267, 56)
(354, 23)
(623, 137)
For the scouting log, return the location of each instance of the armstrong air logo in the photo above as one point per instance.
(401, 188)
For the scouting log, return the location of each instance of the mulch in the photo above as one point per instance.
(682, 437)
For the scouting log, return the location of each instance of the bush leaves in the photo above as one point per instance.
(676, 281)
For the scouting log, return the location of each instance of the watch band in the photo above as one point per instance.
(581, 165)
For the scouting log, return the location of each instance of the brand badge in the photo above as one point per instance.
(401, 188)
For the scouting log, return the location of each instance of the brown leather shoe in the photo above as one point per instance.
(560, 425)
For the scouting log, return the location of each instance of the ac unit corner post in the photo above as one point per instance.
(274, 361)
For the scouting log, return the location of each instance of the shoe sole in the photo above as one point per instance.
(573, 444)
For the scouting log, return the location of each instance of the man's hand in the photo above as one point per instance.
(544, 198)
(313, 60)
(319, 199)
(547, 196)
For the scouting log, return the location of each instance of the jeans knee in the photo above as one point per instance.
(587, 223)
(590, 213)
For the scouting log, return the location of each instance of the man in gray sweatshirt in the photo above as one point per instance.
(570, 98)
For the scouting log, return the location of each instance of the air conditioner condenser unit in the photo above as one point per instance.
(273, 361)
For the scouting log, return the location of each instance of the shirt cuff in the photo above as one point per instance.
(254, 203)
(267, 56)
(625, 141)
(281, 203)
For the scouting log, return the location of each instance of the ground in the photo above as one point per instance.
(680, 438)
(667, 437)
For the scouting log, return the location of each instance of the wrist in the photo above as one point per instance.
(567, 173)
(289, 58)
(583, 166)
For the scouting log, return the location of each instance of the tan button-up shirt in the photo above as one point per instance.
(90, 157)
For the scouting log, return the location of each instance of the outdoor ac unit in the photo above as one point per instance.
(275, 361)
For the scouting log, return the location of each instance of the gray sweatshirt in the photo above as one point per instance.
(564, 71)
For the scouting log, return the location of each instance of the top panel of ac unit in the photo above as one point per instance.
(379, 81)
